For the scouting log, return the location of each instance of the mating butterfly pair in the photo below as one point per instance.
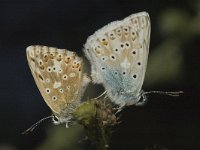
(118, 55)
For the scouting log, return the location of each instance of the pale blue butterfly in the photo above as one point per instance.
(118, 54)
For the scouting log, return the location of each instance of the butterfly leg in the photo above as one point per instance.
(101, 95)
(55, 120)
(121, 107)
(67, 125)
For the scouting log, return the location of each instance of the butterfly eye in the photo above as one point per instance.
(139, 63)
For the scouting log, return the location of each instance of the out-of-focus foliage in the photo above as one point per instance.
(164, 63)
(7, 147)
(177, 27)
(60, 138)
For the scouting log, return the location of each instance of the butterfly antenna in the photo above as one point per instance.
(165, 93)
(31, 128)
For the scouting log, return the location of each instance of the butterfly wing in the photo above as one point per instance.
(118, 54)
(58, 75)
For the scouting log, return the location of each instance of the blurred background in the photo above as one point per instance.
(170, 122)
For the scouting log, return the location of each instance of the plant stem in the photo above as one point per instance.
(98, 120)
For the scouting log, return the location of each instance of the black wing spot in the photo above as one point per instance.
(113, 57)
(135, 76)
(103, 58)
(41, 77)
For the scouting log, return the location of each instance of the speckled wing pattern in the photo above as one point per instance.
(118, 54)
(59, 76)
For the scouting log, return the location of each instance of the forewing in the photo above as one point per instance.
(58, 75)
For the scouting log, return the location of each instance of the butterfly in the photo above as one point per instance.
(58, 74)
(118, 55)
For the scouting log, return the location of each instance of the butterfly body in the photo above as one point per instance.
(118, 54)
(59, 76)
